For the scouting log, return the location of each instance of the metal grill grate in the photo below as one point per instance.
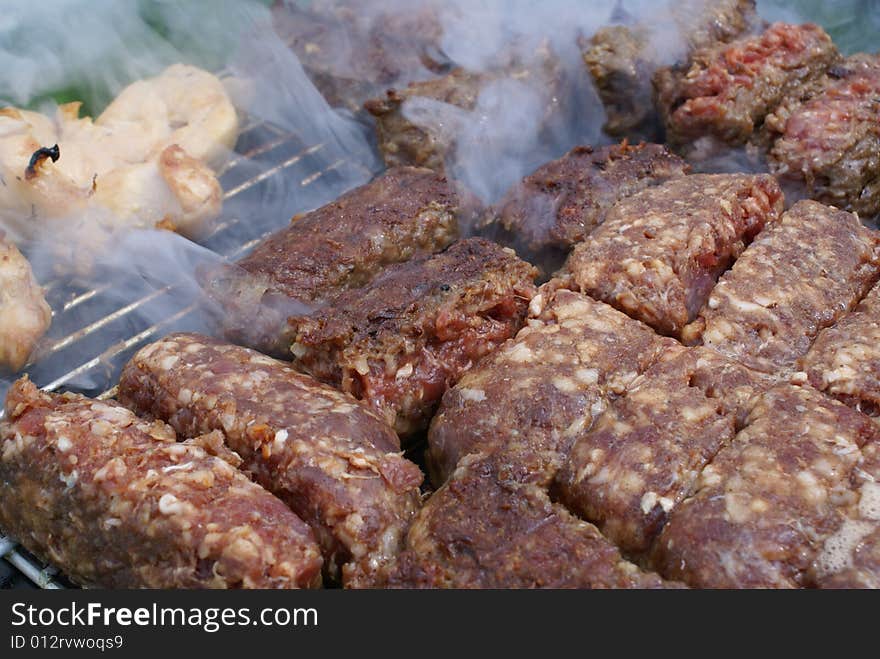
(88, 320)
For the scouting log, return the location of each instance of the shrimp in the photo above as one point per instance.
(24, 313)
(146, 161)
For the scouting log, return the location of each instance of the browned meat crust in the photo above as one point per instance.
(622, 59)
(799, 276)
(402, 142)
(116, 502)
(546, 386)
(334, 462)
(493, 526)
(400, 341)
(403, 213)
(659, 252)
(560, 203)
(728, 90)
(644, 455)
(844, 361)
(619, 59)
(831, 142)
(768, 500)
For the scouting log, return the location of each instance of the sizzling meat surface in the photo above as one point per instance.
(560, 203)
(400, 341)
(340, 246)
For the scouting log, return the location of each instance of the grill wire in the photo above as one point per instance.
(84, 317)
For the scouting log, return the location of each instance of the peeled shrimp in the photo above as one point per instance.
(144, 162)
(24, 314)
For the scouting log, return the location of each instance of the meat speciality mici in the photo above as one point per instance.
(343, 245)
(400, 341)
(404, 141)
(659, 252)
(333, 461)
(622, 59)
(24, 314)
(844, 360)
(799, 276)
(831, 142)
(850, 557)
(353, 54)
(548, 384)
(768, 501)
(116, 502)
(645, 453)
(728, 89)
(561, 202)
(493, 525)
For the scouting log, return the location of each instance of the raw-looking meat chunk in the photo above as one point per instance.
(622, 59)
(844, 361)
(850, 558)
(333, 461)
(659, 252)
(728, 89)
(765, 504)
(645, 454)
(831, 142)
(799, 276)
(115, 502)
(547, 385)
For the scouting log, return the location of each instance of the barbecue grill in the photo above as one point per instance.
(97, 333)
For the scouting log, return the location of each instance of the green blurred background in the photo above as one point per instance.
(61, 50)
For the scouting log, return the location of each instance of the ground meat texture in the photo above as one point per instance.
(727, 90)
(619, 59)
(561, 202)
(399, 342)
(24, 314)
(799, 276)
(116, 502)
(844, 361)
(333, 461)
(767, 501)
(405, 142)
(850, 558)
(343, 245)
(493, 526)
(622, 59)
(544, 387)
(831, 142)
(401, 141)
(660, 252)
(645, 453)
